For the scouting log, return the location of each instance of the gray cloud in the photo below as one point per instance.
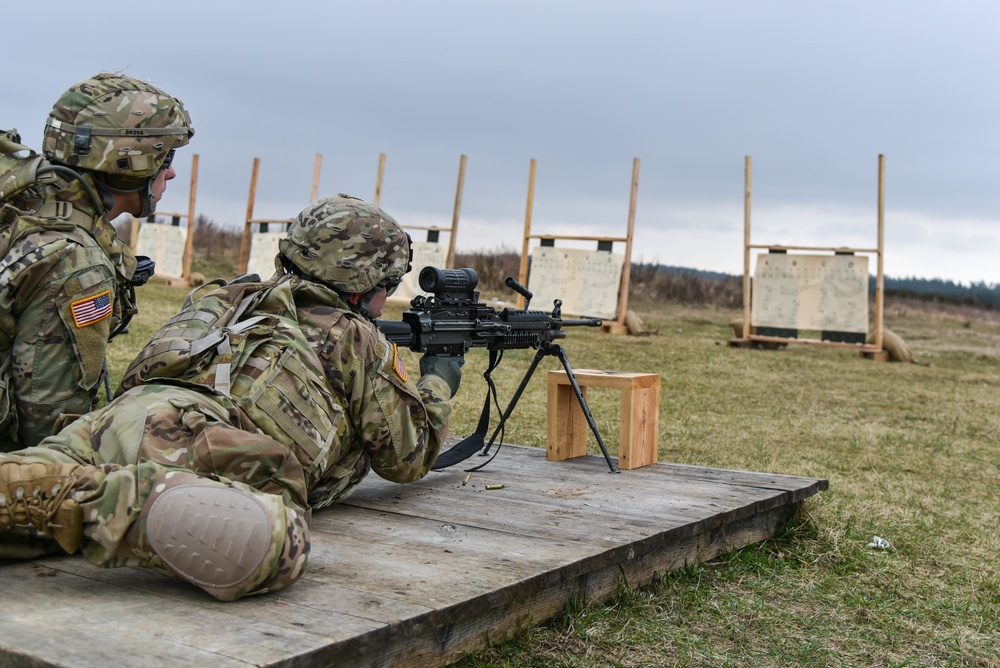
(813, 93)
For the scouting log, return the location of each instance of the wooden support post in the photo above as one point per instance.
(522, 274)
(747, 169)
(450, 259)
(133, 243)
(627, 270)
(317, 164)
(378, 181)
(879, 279)
(189, 241)
(639, 421)
(619, 326)
(245, 245)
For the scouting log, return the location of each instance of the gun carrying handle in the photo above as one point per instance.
(519, 289)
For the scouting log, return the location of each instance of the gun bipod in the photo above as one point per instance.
(551, 349)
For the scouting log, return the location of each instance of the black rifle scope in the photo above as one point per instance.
(448, 281)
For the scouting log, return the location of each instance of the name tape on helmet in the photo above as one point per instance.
(120, 132)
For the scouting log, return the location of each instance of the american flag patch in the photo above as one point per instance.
(92, 309)
(397, 363)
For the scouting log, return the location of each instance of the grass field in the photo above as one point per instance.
(912, 453)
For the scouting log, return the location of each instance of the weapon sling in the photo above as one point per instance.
(467, 447)
(476, 441)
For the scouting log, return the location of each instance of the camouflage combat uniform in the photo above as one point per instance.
(372, 415)
(63, 289)
(65, 277)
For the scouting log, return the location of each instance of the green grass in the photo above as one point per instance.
(912, 453)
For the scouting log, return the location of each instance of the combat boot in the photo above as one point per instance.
(37, 494)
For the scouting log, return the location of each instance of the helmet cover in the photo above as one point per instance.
(116, 125)
(347, 243)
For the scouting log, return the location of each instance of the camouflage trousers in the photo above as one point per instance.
(155, 437)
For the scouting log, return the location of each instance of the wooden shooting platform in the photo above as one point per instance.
(407, 575)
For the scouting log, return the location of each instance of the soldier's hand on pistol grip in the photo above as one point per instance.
(448, 367)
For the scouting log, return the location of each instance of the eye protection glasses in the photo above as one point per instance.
(391, 286)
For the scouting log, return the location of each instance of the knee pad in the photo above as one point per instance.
(213, 536)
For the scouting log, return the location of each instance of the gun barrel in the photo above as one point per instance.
(581, 322)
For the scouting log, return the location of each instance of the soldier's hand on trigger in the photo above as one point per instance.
(448, 367)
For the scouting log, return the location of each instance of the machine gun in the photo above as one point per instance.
(451, 320)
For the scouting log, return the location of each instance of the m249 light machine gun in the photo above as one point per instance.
(450, 320)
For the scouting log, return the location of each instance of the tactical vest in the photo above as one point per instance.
(242, 341)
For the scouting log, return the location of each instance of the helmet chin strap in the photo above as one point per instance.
(146, 204)
(362, 302)
(144, 191)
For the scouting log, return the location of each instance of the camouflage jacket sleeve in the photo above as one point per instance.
(399, 423)
(57, 307)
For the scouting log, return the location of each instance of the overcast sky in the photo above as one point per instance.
(814, 92)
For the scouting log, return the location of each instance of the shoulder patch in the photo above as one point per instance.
(92, 309)
(397, 363)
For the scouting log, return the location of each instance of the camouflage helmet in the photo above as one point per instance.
(116, 125)
(349, 244)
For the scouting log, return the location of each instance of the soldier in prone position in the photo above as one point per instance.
(65, 276)
(284, 403)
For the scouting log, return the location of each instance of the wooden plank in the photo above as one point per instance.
(347, 609)
(417, 555)
(519, 460)
(66, 620)
(581, 519)
(619, 380)
(577, 237)
(832, 249)
(450, 632)
(407, 575)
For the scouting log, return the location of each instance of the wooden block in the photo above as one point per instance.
(639, 420)
(567, 428)
(614, 327)
(876, 355)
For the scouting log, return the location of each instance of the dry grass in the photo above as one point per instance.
(912, 453)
